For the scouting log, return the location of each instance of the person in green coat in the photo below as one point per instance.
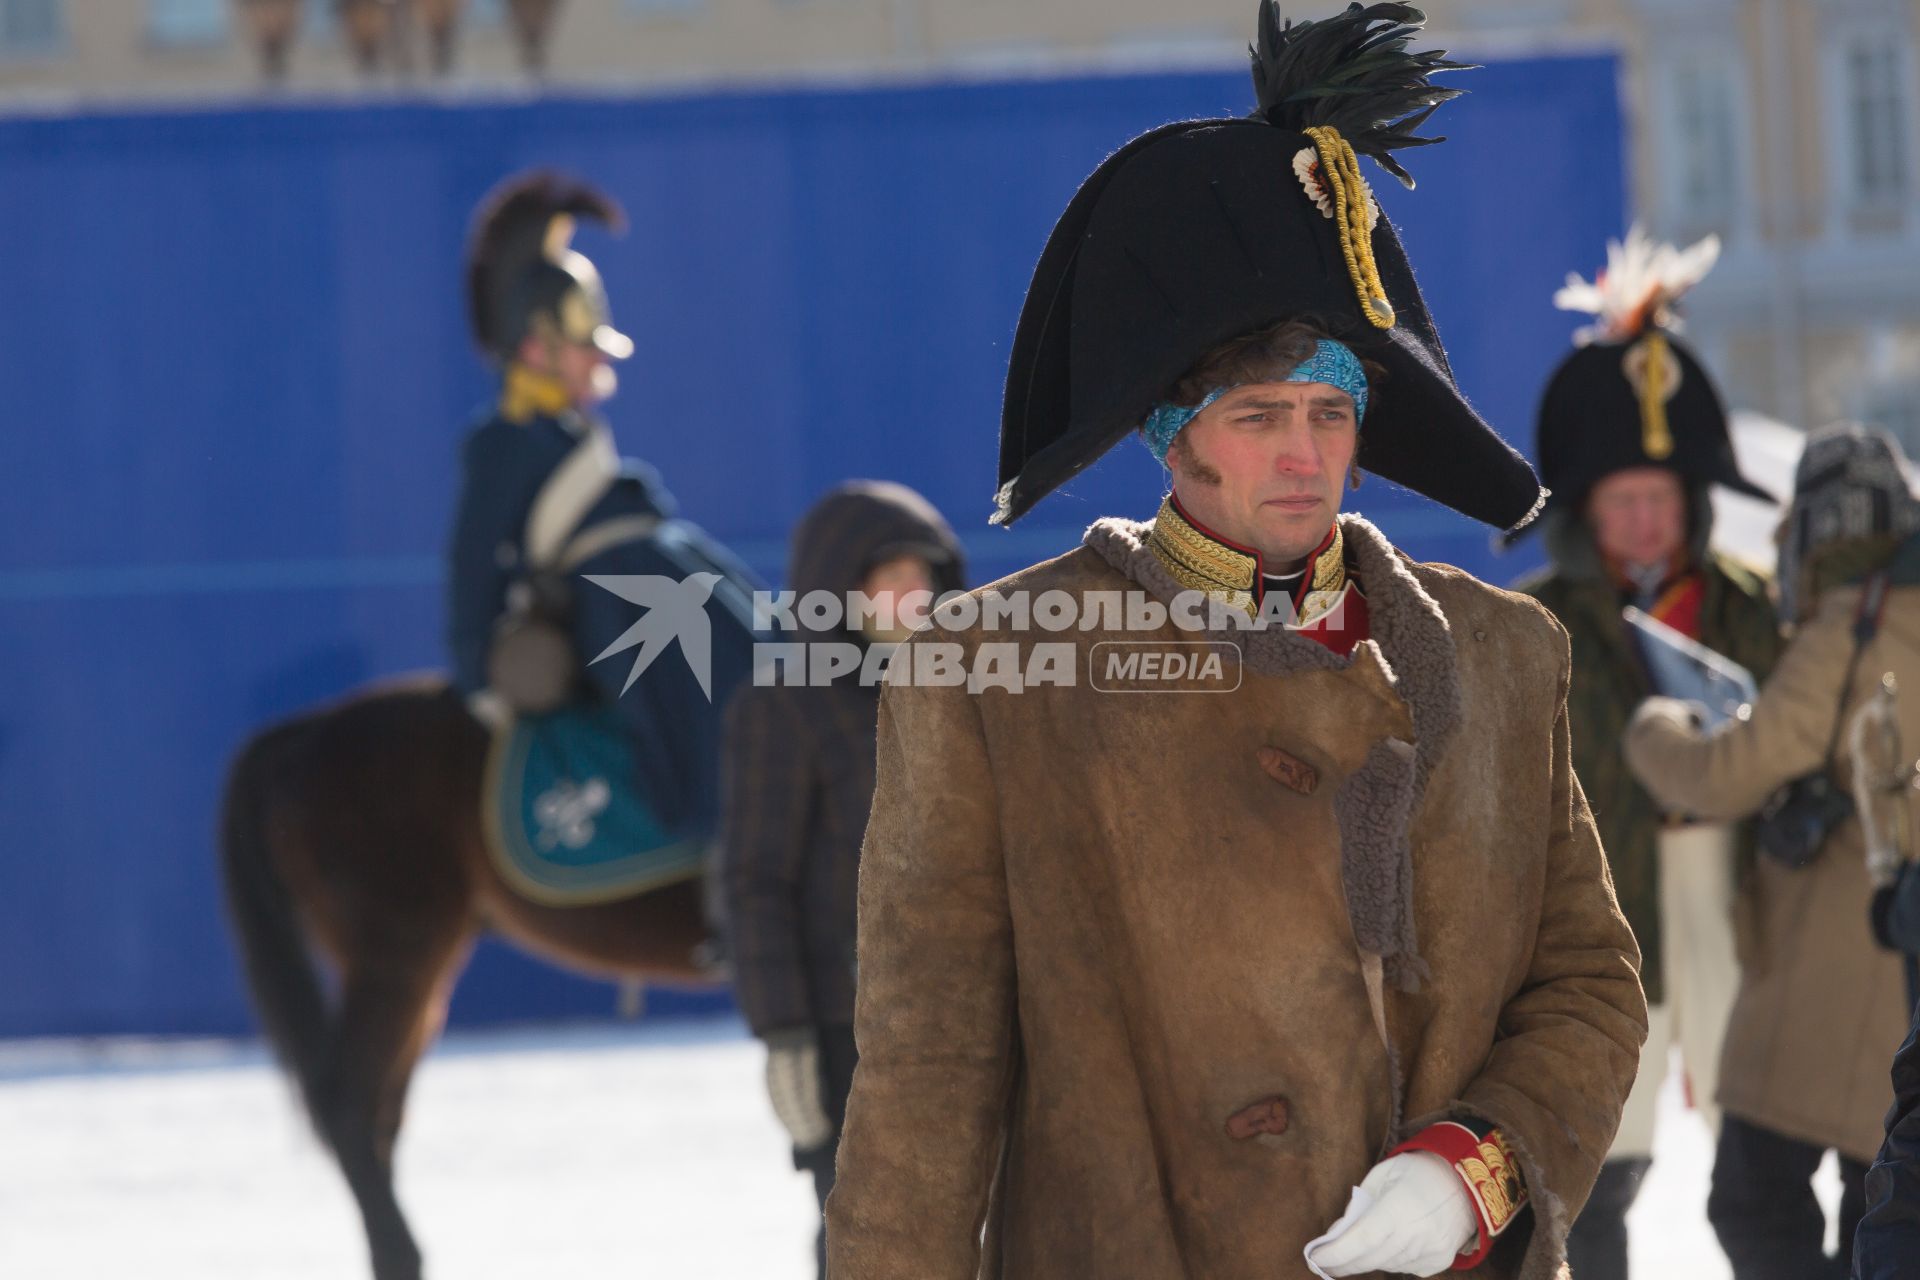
(1632, 437)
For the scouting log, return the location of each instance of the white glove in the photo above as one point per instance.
(793, 1083)
(1410, 1215)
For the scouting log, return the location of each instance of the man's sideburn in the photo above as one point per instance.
(1191, 464)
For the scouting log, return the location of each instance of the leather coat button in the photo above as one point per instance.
(1266, 1116)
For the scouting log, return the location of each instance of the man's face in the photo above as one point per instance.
(1639, 516)
(579, 367)
(1265, 465)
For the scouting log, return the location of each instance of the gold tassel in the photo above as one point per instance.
(1340, 169)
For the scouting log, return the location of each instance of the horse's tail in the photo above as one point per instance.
(287, 995)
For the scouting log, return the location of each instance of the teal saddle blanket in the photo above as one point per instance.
(565, 823)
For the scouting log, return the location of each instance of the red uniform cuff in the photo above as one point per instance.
(1488, 1168)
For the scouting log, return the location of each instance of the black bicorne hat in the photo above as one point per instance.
(522, 270)
(1634, 395)
(1202, 231)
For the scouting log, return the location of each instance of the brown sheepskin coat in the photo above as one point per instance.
(1149, 981)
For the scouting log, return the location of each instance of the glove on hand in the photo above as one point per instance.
(1414, 1217)
(793, 1085)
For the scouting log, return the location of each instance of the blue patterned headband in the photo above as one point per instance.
(1331, 362)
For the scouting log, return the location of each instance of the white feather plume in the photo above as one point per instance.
(1642, 280)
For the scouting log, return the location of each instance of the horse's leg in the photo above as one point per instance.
(388, 1016)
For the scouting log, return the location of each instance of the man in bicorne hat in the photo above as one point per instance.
(1633, 437)
(1311, 969)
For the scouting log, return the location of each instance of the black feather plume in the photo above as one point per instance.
(1351, 71)
(509, 234)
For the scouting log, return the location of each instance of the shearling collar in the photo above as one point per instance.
(1411, 634)
(1413, 645)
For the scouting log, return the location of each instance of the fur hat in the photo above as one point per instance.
(1849, 491)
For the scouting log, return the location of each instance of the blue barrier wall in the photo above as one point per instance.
(234, 374)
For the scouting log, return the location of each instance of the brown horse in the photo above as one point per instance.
(356, 829)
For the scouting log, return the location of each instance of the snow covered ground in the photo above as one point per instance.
(591, 1152)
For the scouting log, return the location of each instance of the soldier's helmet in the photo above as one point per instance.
(523, 275)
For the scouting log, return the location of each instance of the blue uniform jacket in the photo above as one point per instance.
(1887, 1244)
(675, 725)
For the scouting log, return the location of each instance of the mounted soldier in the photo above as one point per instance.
(557, 539)
(560, 794)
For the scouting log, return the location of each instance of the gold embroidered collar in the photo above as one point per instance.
(1201, 560)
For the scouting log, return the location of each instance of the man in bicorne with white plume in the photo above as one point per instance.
(1633, 437)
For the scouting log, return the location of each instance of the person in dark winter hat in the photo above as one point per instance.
(798, 780)
(1821, 1007)
(1150, 982)
(1853, 508)
(546, 502)
(1632, 437)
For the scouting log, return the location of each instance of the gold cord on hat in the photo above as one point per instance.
(1340, 168)
(1656, 435)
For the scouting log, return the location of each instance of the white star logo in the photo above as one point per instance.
(675, 609)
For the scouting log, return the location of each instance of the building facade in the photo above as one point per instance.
(1790, 128)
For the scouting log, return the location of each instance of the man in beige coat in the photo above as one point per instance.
(1175, 927)
(1821, 1007)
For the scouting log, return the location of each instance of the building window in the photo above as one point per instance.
(1703, 142)
(176, 23)
(1876, 114)
(30, 26)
